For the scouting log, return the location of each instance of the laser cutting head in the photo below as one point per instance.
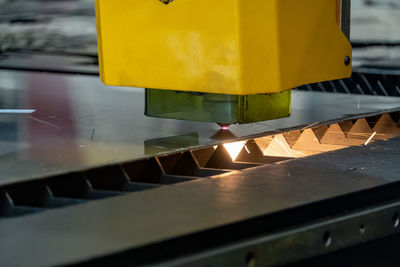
(240, 48)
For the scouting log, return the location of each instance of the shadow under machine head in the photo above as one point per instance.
(225, 61)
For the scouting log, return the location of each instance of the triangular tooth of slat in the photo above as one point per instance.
(263, 142)
(335, 136)
(346, 126)
(372, 121)
(203, 155)
(220, 157)
(252, 148)
(308, 141)
(360, 130)
(279, 147)
(292, 137)
(386, 127)
(252, 153)
(385, 119)
(396, 117)
(320, 131)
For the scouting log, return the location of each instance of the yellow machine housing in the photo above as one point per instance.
(236, 47)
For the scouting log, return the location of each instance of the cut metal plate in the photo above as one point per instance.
(132, 176)
(79, 123)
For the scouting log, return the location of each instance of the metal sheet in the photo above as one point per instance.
(105, 227)
(80, 123)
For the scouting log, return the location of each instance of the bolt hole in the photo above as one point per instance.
(362, 229)
(347, 60)
(250, 260)
(396, 219)
(327, 239)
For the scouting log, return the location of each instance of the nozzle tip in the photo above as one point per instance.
(224, 126)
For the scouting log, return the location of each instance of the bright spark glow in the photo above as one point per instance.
(224, 128)
(370, 138)
(234, 148)
(309, 126)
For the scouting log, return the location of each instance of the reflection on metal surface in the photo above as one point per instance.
(17, 111)
(51, 121)
(136, 175)
(77, 104)
(172, 143)
(219, 108)
(223, 134)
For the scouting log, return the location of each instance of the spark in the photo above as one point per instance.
(311, 125)
(234, 148)
(370, 138)
(248, 151)
(224, 126)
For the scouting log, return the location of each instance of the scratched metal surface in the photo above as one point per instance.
(111, 226)
(80, 123)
